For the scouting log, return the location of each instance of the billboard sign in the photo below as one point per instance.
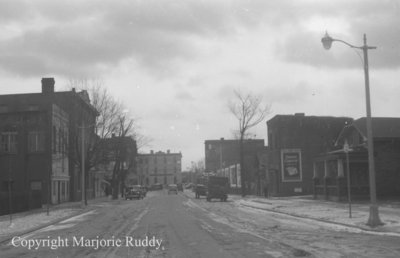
(291, 165)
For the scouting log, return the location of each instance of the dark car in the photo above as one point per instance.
(218, 187)
(180, 187)
(172, 189)
(156, 187)
(200, 190)
(143, 189)
(133, 193)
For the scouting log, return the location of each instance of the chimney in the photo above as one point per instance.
(151, 152)
(168, 151)
(48, 85)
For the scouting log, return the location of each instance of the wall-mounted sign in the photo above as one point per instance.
(291, 165)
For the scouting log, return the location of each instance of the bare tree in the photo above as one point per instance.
(112, 120)
(108, 107)
(110, 111)
(249, 110)
(122, 154)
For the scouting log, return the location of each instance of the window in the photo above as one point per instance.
(60, 140)
(54, 139)
(36, 141)
(9, 142)
(65, 142)
(3, 109)
(33, 108)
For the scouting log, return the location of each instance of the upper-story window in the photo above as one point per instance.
(54, 139)
(33, 107)
(36, 141)
(60, 140)
(9, 142)
(3, 108)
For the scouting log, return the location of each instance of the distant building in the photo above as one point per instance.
(159, 168)
(117, 151)
(38, 146)
(330, 168)
(223, 157)
(294, 141)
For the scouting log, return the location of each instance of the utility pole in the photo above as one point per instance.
(83, 165)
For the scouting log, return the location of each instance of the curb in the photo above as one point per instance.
(321, 220)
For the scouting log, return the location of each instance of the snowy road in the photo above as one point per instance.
(165, 225)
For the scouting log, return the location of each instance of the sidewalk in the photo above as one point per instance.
(28, 221)
(328, 211)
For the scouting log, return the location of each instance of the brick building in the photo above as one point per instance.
(330, 173)
(39, 133)
(223, 157)
(294, 141)
(159, 168)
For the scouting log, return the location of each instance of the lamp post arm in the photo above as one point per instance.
(352, 46)
(348, 44)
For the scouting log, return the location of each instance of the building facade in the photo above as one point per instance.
(294, 141)
(159, 168)
(222, 157)
(330, 168)
(120, 155)
(37, 153)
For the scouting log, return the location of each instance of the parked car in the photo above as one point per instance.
(143, 189)
(172, 189)
(189, 185)
(156, 187)
(133, 192)
(218, 187)
(180, 187)
(200, 190)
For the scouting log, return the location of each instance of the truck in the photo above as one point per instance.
(217, 187)
(200, 189)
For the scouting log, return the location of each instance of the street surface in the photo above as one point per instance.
(163, 225)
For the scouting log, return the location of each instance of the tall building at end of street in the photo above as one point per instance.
(159, 168)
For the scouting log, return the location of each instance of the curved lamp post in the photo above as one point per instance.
(373, 219)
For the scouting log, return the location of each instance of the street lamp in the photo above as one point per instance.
(373, 219)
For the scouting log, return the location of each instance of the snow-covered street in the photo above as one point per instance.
(163, 225)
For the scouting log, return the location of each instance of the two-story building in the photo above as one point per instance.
(38, 144)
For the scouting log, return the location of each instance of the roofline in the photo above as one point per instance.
(74, 93)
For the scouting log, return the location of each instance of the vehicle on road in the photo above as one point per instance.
(172, 189)
(180, 187)
(142, 188)
(133, 192)
(218, 187)
(200, 190)
(189, 186)
(156, 187)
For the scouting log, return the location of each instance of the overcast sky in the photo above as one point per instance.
(176, 63)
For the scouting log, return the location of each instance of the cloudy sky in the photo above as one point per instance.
(176, 63)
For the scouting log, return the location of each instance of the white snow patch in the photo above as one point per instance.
(29, 221)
